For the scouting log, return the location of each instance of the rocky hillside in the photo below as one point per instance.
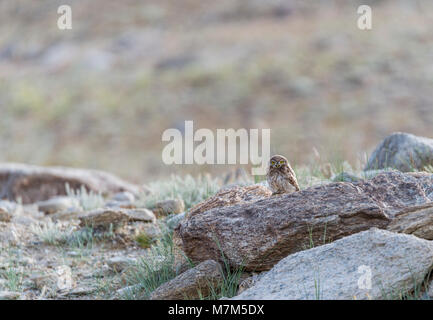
(80, 234)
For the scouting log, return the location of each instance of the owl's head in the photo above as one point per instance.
(277, 162)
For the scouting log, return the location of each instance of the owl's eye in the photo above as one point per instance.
(282, 162)
(273, 162)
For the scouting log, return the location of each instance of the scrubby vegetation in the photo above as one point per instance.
(191, 190)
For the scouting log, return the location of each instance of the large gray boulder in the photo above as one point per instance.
(258, 234)
(34, 183)
(402, 151)
(373, 264)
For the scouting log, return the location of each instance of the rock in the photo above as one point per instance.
(232, 196)
(74, 254)
(143, 215)
(417, 221)
(174, 220)
(18, 214)
(143, 234)
(120, 204)
(58, 204)
(249, 282)
(82, 291)
(8, 209)
(69, 214)
(64, 280)
(373, 264)
(5, 216)
(3, 283)
(118, 264)
(151, 230)
(12, 234)
(59, 279)
(122, 200)
(402, 151)
(9, 295)
(8, 206)
(43, 280)
(166, 207)
(191, 284)
(24, 220)
(103, 218)
(123, 197)
(256, 235)
(33, 183)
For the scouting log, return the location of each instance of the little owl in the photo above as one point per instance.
(281, 177)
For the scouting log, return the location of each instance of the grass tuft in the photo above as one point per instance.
(89, 200)
(191, 190)
(154, 269)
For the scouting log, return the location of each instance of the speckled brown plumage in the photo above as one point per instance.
(281, 177)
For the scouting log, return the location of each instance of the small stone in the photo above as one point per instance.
(39, 281)
(120, 204)
(127, 291)
(60, 279)
(3, 283)
(69, 214)
(9, 295)
(5, 216)
(123, 197)
(166, 207)
(73, 254)
(142, 214)
(152, 230)
(103, 218)
(174, 220)
(82, 291)
(27, 261)
(119, 263)
(24, 220)
(8, 206)
(57, 204)
(64, 278)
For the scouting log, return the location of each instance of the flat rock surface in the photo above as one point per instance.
(34, 183)
(373, 264)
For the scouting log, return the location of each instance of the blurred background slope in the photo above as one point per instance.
(100, 95)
